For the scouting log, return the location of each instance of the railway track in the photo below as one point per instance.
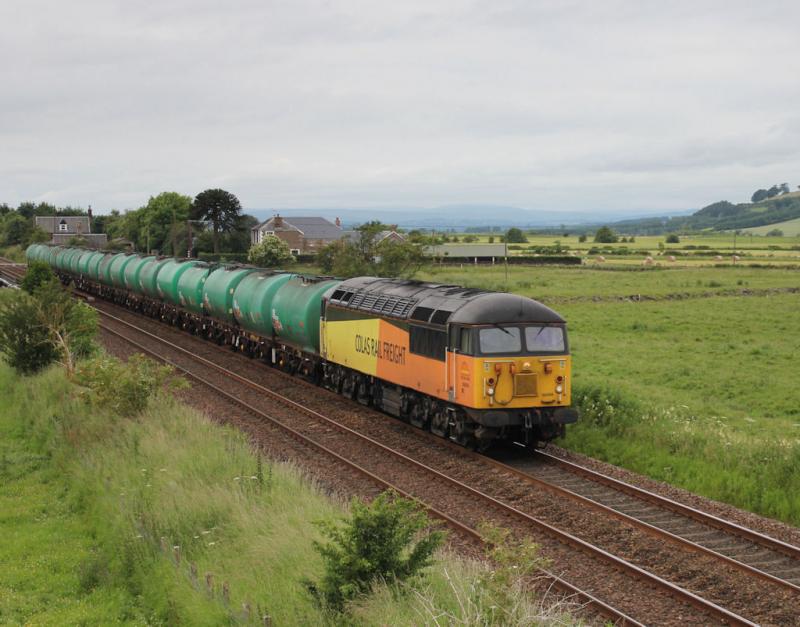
(758, 554)
(701, 611)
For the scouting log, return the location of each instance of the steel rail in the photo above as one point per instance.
(666, 503)
(711, 608)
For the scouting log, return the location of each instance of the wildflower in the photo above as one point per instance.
(176, 547)
(205, 532)
(211, 543)
(237, 478)
(163, 470)
(253, 478)
(196, 537)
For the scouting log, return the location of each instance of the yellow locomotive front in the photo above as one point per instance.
(510, 368)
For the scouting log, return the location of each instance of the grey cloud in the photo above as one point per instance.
(547, 104)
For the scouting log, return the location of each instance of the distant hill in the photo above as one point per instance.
(459, 217)
(720, 216)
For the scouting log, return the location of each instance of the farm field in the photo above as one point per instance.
(557, 283)
(790, 228)
(697, 389)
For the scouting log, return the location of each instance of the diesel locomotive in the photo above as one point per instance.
(470, 365)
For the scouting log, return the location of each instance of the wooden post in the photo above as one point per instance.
(163, 544)
(176, 552)
(193, 572)
(226, 592)
(210, 583)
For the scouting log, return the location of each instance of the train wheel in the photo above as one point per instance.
(440, 423)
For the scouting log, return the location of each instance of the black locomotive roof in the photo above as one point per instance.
(438, 303)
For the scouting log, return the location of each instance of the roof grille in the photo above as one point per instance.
(381, 304)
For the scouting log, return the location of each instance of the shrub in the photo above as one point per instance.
(126, 388)
(25, 342)
(380, 541)
(47, 326)
(582, 238)
(673, 238)
(605, 235)
(37, 274)
(271, 252)
(515, 236)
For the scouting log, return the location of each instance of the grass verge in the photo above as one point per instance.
(167, 518)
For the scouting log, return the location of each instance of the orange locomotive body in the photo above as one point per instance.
(470, 365)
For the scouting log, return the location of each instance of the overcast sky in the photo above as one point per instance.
(550, 105)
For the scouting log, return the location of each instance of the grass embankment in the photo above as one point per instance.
(95, 506)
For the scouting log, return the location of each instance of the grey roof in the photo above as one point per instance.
(467, 250)
(311, 227)
(94, 240)
(75, 224)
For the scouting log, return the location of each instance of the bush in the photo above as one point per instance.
(775, 233)
(46, 326)
(380, 541)
(126, 388)
(37, 274)
(271, 252)
(582, 238)
(605, 235)
(26, 343)
(673, 238)
(515, 236)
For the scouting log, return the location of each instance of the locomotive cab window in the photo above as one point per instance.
(500, 340)
(542, 339)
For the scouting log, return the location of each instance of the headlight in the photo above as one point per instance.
(559, 388)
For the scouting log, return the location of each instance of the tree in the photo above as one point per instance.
(673, 238)
(582, 237)
(491, 239)
(47, 326)
(37, 274)
(270, 252)
(759, 195)
(366, 254)
(219, 207)
(161, 222)
(383, 541)
(605, 235)
(515, 236)
(775, 233)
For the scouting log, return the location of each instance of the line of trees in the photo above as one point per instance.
(213, 221)
(775, 190)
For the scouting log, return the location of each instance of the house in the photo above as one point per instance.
(308, 235)
(63, 228)
(303, 235)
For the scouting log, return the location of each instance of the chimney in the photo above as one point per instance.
(338, 222)
(89, 212)
(277, 220)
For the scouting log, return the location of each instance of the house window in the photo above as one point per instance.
(268, 233)
(295, 251)
(62, 226)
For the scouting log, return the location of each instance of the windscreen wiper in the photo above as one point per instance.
(503, 329)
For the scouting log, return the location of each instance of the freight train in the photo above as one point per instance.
(467, 364)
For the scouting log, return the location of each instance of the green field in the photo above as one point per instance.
(790, 228)
(558, 283)
(697, 386)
